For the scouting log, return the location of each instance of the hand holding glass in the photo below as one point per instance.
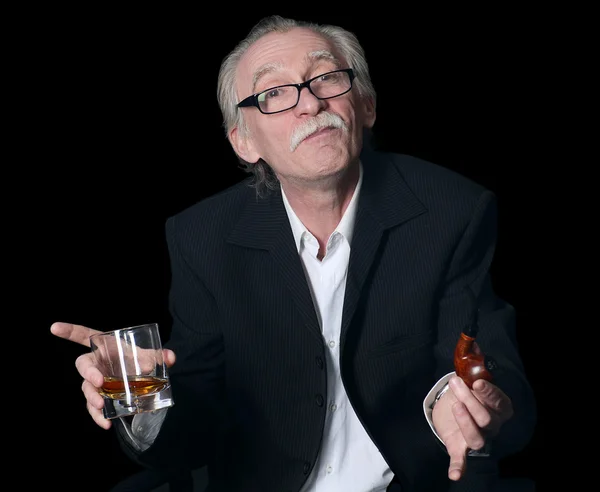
(135, 374)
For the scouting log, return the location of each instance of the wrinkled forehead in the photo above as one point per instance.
(293, 53)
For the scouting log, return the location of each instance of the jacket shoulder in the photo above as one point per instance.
(437, 186)
(451, 199)
(212, 215)
(419, 172)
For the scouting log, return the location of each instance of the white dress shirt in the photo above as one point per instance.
(348, 459)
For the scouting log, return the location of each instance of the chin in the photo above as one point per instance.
(324, 148)
(326, 160)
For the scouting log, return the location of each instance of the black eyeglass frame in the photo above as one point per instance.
(253, 99)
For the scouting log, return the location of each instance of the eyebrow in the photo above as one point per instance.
(311, 57)
(323, 55)
(264, 70)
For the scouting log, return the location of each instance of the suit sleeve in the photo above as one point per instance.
(470, 269)
(194, 426)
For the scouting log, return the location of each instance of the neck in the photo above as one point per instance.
(321, 205)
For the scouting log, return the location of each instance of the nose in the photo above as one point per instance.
(308, 103)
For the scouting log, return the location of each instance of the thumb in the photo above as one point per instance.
(76, 333)
(458, 463)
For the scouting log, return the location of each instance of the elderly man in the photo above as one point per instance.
(316, 306)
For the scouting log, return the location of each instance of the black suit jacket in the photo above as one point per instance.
(250, 378)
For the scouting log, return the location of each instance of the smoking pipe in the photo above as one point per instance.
(470, 363)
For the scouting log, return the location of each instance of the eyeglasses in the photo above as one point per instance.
(284, 97)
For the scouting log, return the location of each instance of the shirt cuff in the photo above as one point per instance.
(430, 400)
(143, 428)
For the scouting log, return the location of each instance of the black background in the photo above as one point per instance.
(126, 131)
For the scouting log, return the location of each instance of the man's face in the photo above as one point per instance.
(293, 57)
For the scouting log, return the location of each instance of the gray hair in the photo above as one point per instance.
(345, 42)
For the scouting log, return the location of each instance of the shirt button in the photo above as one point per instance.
(319, 400)
(331, 343)
(333, 407)
(319, 362)
(306, 467)
(329, 469)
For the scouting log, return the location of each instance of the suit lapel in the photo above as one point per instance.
(386, 201)
(264, 225)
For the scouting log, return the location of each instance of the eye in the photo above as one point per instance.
(272, 93)
(330, 77)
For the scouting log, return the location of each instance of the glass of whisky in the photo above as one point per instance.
(135, 375)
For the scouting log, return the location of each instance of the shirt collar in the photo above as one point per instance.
(346, 225)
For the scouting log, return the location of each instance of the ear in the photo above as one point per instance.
(369, 113)
(242, 145)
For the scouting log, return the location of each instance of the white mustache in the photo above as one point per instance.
(322, 120)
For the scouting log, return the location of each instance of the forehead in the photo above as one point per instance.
(291, 51)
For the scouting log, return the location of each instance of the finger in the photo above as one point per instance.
(93, 397)
(98, 417)
(477, 408)
(458, 459)
(95, 404)
(471, 432)
(88, 370)
(494, 398)
(75, 333)
(169, 357)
